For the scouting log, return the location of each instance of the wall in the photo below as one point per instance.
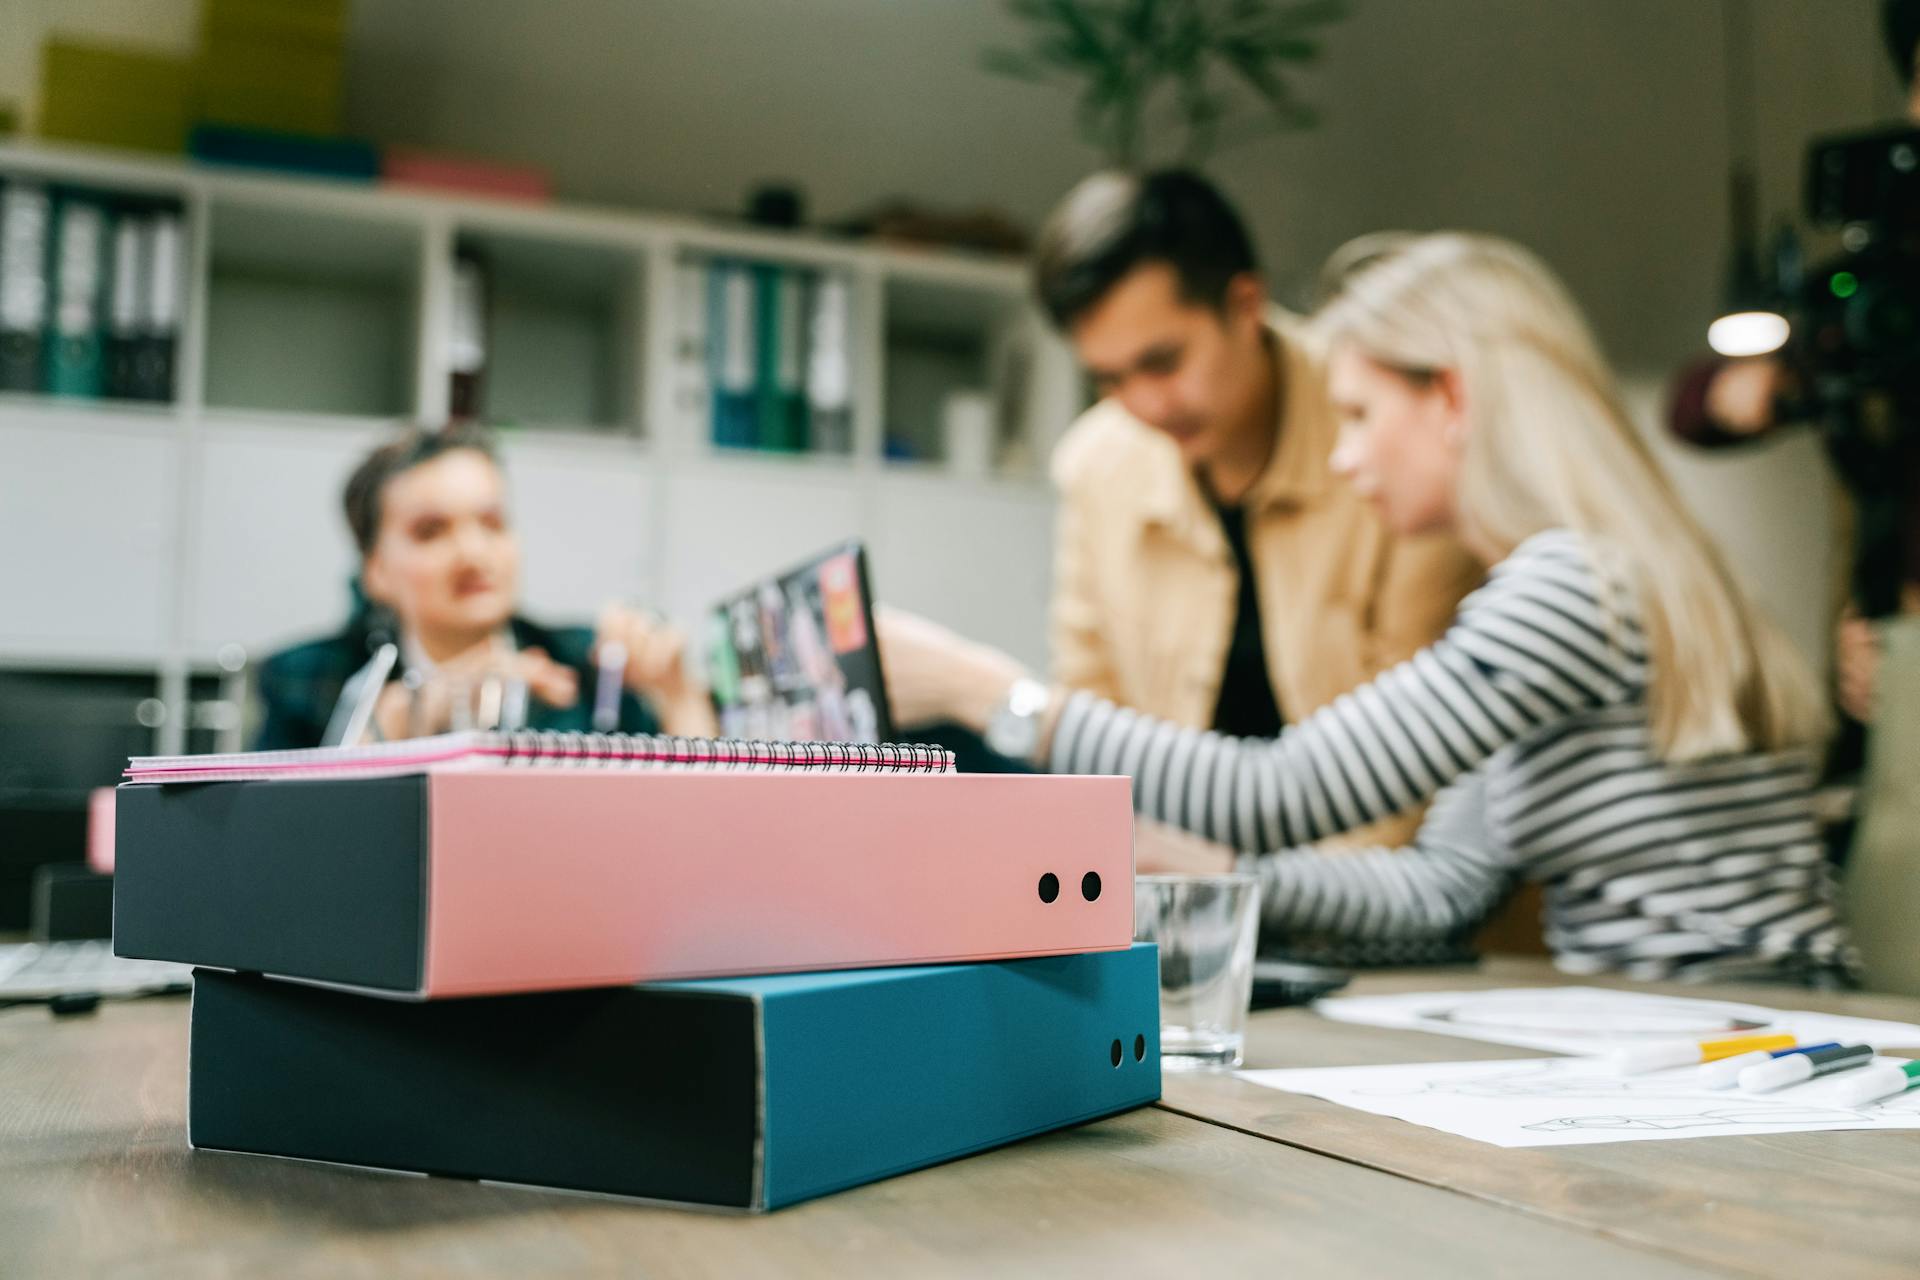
(1595, 133)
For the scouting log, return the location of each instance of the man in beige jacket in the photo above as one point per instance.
(1209, 568)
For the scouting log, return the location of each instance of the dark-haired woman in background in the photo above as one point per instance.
(440, 570)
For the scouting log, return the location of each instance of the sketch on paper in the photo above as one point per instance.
(1589, 1020)
(1566, 1101)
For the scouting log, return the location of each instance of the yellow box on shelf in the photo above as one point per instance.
(114, 95)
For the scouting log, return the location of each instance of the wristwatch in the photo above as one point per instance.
(1014, 731)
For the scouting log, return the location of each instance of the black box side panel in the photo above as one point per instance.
(621, 1091)
(321, 880)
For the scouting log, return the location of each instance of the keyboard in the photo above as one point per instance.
(42, 970)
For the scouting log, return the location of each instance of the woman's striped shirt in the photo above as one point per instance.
(1527, 724)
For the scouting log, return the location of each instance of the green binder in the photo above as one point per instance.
(76, 328)
(780, 385)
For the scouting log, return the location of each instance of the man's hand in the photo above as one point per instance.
(1856, 663)
(1740, 398)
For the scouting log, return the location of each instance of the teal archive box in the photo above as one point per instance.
(749, 1093)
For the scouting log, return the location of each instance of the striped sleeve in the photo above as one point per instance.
(1447, 881)
(1533, 646)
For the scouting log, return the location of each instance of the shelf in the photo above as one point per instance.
(957, 361)
(311, 313)
(776, 461)
(18, 408)
(562, 331)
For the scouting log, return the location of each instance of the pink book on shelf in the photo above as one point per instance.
(411, 167)
(492, 877)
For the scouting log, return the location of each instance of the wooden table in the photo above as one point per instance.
(1826, 1205)
(1225, 1179)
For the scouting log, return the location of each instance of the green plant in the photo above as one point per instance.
(1220, 65)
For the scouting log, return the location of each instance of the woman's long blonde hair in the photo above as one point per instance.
(1549, 445)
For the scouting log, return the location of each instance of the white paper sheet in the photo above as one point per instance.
(1588, 1020)
(1554, 1102)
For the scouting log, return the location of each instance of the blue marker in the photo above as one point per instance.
(1725, 1073)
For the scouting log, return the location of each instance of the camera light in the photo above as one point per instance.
(1748, 333)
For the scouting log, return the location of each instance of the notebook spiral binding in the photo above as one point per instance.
(610, 750)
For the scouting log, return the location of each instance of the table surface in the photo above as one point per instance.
(1223, 1178)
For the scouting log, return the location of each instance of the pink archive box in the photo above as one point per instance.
(546, 878)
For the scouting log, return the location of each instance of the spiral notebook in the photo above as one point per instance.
(456, 752)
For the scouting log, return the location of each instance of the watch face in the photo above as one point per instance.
(1013, 735)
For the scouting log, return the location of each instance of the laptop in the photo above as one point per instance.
(794, 657)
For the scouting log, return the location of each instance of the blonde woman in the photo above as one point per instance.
(1606, 714)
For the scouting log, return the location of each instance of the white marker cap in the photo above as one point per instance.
(1777, 1074)
(1725, 1073)
(1869, 1084)
(1654, 1057)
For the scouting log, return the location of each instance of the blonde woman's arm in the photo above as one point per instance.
(1533, 647)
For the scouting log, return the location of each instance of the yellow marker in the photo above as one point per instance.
(1684, 1053)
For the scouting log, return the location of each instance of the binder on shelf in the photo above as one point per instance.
(732, 362)
(75, 351)
(163, 303)
(747, 1093)
(24, 214)
(692, 391)
(127, 280)
(514, 877)
(829, 380)
(780, 384)
(467, 338)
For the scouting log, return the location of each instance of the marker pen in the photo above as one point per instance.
(607, 685)
(1684, 1053)
(1874, 1083)
(1795, 1068)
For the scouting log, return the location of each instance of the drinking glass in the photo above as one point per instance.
(1206, 927)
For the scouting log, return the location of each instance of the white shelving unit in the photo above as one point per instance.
(145, 538)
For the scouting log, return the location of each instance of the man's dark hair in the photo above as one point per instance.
(1900, 23)
(406, 451)
(1113, 222)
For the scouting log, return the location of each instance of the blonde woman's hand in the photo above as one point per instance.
(934, 674)
(1159, 848)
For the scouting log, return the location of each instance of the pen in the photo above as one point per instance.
(606, 688)
(1804, 1066)
(1725, 1073)
(1682, 1053)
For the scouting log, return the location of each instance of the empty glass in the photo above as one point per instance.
(1206, 927)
